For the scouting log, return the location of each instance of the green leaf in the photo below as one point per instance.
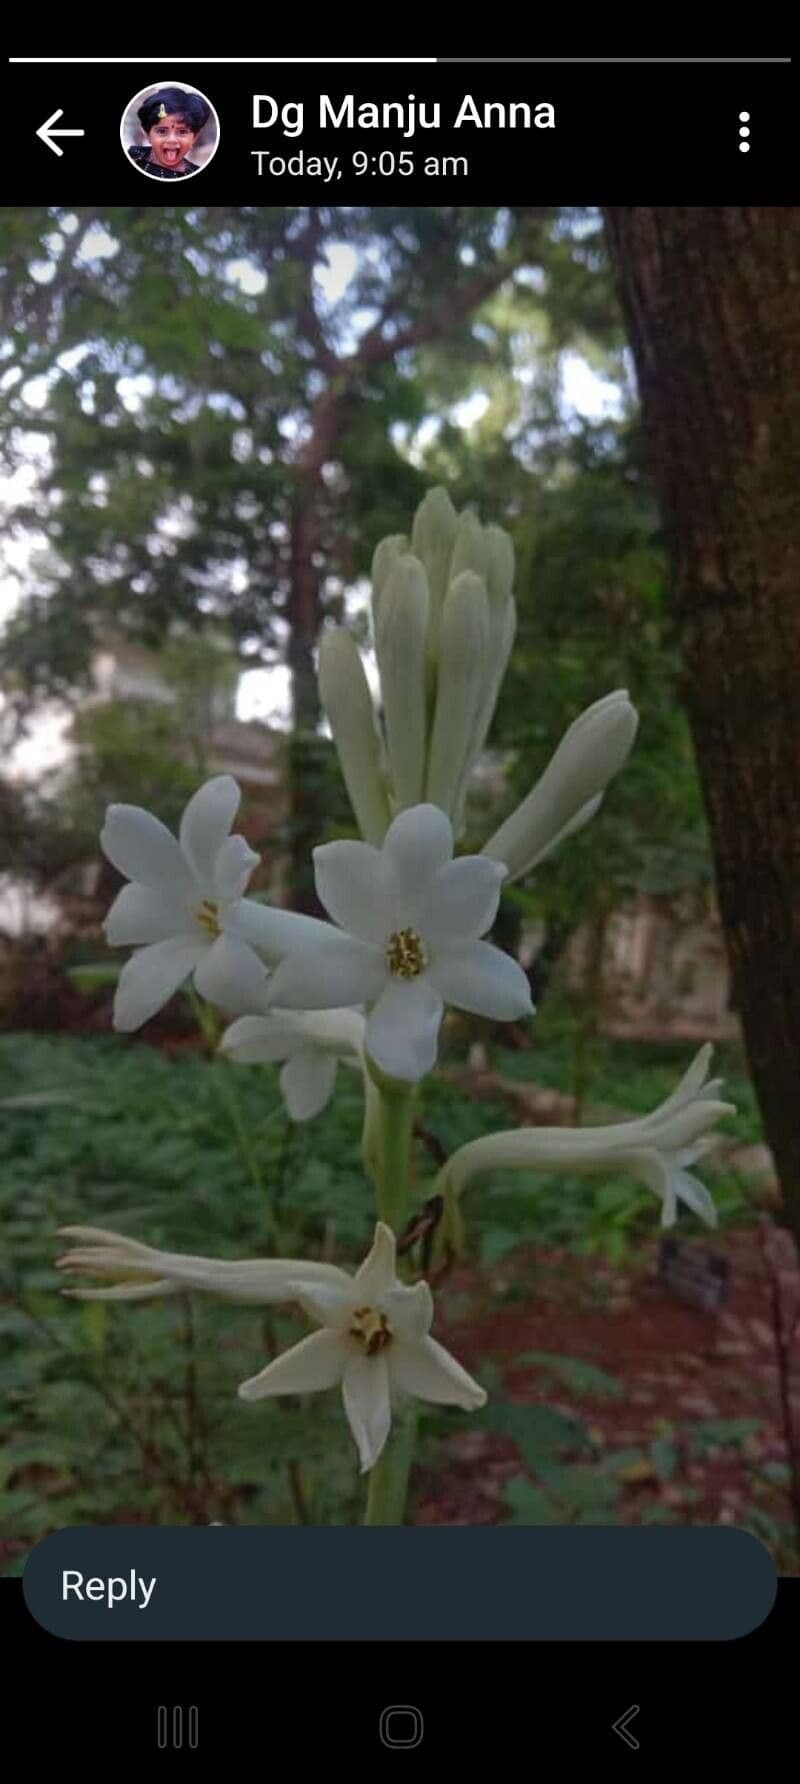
(496, 1243)
(712, 1432)
(580, 1489)
(664, 1457)
(528, 1503)
(539, 1432)
(580, 1376)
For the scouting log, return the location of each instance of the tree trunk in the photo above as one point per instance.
(712, 298)
(306, 755)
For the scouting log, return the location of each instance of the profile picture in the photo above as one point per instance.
(170, 132)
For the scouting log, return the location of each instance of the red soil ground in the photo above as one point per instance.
(678, 1366)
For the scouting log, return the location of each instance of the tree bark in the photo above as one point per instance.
(712, 298)
(304, 614)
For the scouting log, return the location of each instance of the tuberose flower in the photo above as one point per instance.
(139, 1272)
(374, 1338)
(409, 920)
(184, 911)
(310, 1042)
(658, 1148)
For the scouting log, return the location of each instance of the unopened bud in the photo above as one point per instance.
(345, 695)
(589, 755)
(401, 638)
(500, 564)
(384, 558)
(462, 661)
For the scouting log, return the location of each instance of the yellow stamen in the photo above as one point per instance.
(208, 917)
(372, 1329)
(405, 955)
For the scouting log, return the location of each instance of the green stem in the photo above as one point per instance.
(388, 1482)
(394, 1124)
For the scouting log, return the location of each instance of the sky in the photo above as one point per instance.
(263, 693)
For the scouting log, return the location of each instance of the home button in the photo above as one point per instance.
(401, 1725)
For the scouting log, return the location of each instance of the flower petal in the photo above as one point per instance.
(482, 979)
(403, 1029)
(417, 844)
(143, 849)
(426, 1369)
(365, 1391)
(317, 1362)
(150, 978)
(307, 1081)
(409, 1310)
(145, 914)
(334, 971)
(261, 1040)
(356, 887)
(690, 1190)
(274, 932)
(461, 901)
(231, 976)
(206, 824)
(376, 1276)
(690, 1084)
(233, 868)
(125, 1291)
(329, 1303)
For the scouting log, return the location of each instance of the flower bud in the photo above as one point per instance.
(432, 540)
(462, 663)
(345, 695)
(500, 564)
(384, 557)
(572, 786)
(400, 640)
(502, 630)
(470, 548)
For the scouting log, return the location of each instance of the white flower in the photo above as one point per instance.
(310, 1042)
(409, 920)
(374, 1339)
(375, 1330)
(571, 789)
(138, 1271)
(657, 1148)
(185, 905)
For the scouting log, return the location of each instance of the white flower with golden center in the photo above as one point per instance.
(409, 921)
(375, 1340)
(184, 911)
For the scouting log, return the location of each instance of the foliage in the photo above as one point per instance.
(184, 357)
(130, 1412)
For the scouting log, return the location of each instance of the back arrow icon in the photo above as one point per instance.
(621, 1728)
(46, 132)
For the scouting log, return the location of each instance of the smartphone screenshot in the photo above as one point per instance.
(399, 909)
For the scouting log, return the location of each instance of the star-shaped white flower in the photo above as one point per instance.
(409, 920)
(374, 1339)
(184, 911)
(311, 1044)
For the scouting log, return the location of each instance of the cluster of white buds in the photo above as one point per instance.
(444, 619)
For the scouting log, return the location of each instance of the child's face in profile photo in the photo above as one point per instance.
(170, 140)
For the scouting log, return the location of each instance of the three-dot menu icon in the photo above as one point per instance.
(744, 133)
